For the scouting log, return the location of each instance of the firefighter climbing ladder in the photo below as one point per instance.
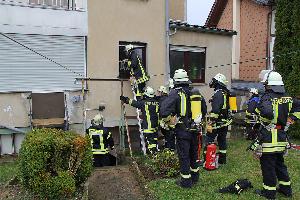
(133, 86)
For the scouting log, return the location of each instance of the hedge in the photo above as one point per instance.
(54, 163)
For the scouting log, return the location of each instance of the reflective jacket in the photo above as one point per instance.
(101, 139)
(220, 112)
(136, 68)
(178, 104)
(274, 110)
(150, 113)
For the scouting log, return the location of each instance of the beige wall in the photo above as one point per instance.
(122, 20)
(218, 52)
(178, 9)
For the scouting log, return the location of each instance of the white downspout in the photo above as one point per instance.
(236, 39)
(167, 68)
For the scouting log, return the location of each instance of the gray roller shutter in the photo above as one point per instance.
(23, 70)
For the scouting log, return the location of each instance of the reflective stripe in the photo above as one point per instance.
(278, 144)
(222, 151)
(182, 104)
(226, 123)
(96, 151)
(284, 183)
(151, 146)
(296, 114)
(274, 136)
(185, 176)
(214, 115)
(265, 119)
(152, 130)
(157, 111)
(275, 112)
(148, 116)
(273, 149)
(195, 170)
(101, 149)
(109, 135)
(237, 187)
(268, 187)
(225, 101)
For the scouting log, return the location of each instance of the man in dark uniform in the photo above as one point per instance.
(137, 71)
(177, 109)
(150, 108)
(101, 141)
(167, 132)
(277, 111)
(220, 115)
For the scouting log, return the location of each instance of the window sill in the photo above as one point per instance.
(199, 84)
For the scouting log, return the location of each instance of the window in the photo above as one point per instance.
(192, 59)
(140, 48)
(51, 3)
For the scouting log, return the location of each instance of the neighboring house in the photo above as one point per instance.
(164, 46)
(42, 51)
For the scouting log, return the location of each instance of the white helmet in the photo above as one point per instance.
(163, 89)
(181, 76)
(98, 120)
(171, 83)
(129, 47)
(221, 78)
(253, 90)
(149, 92)
(273, 78)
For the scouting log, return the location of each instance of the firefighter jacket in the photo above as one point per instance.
(136, 68)
(101, 139)
(250, 111)
(274, 110)
(178, 104)
(150, 113)
(220, 112)
(161, 98)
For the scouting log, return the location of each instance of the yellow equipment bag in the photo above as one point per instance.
(232, 102)
(195, 103)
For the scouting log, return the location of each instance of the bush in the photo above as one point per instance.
(165, 163)
(53, 163)
(294, 131)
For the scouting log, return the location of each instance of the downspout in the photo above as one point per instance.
(268, 53)
(167, 68)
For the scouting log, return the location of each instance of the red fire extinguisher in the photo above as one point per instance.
(211, 158)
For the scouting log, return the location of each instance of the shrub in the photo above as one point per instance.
(165, 163)
(53, 163)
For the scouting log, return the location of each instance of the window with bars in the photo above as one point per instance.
(192, 59)
(52, 3)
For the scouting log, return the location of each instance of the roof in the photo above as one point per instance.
(246, 85)
(218, 7)
(180, 25)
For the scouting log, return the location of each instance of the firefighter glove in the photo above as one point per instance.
(124, 99)
(237, 187)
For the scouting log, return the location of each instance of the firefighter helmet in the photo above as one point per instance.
(149, 92)
(98, 120)
(274, 81)
(163, 89)
(129, 47)
(221, 78)
(181, 77)
(253, 90)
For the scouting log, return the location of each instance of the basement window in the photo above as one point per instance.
(192, 59)
(140, 48)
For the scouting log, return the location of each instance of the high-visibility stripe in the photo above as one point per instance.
(278, 144)
(273, 149)
(109, 135)
(284, 183)
(157, 111)
(99, 133)
(290, 106)
(257, 110)
(269, 188)
(195, 170)
(296, 114)
(148, 116)
(151, 146)
(185, 176)
(153, 130)
(214, 115)
(274, 136)
(275, 112)
(100, 152)
(222, 151)
(225, 101)
(265, 119)
(183, 104)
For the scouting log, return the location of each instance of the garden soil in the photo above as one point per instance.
(114, 183)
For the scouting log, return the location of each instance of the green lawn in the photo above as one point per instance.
(7, 171)
(241, 164)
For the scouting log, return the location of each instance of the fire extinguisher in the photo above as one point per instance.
(211, 157)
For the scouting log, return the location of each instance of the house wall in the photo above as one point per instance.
(254, 39)
(114, 21)
(218, 51)
(178, 9)
(226, 18)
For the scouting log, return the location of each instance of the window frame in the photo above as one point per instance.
(192, 49)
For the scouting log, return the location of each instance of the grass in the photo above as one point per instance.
(241, 164)
(7, 171)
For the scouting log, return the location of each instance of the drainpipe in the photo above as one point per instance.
(167, 68)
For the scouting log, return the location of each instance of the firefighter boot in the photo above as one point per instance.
(195, 177)
(184, 182)
(270, 195)
(285, 190)
(222, 158)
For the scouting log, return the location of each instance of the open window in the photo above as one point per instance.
(140, 48)
(192, 59)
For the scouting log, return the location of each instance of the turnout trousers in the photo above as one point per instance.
(151, 141)
(187, 149)
(221, 134)
(273, 169)
(169, 138)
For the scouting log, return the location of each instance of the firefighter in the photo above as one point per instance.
(101, 141)
(277, 111)
(251, 116)
(137, 71)
(166, 131)
(176, 110)
(150, 116)
(220, 115)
